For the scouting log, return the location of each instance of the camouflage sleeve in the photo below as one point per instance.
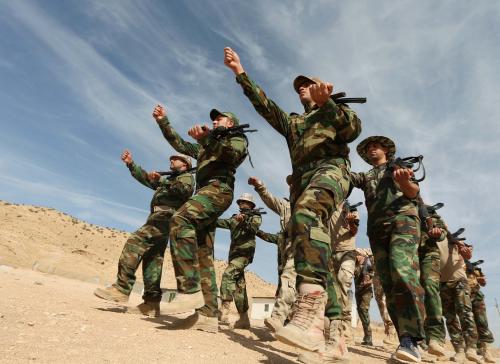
(231, 150)
(270, 238)
(347, 123)
(278, 205)
(254, 223)
(224, 223)
(358, 180)
(264, 106)
(142, 176)
(176, 141)
(183, 185)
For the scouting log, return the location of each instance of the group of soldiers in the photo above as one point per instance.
(415, 264)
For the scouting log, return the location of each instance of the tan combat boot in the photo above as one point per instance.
(391, 336)
(306, 328)
(459, 356)
(243, 322)
(436, 348)
(147, 308)
(274, 323)
(198, 321)
(184, 302)
(471, 355)
(224, 312)
(486, 353)
(111, 294)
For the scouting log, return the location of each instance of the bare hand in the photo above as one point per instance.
(402, 175)
(435, 232)
(240, 217)
(351, 216)
(153, 176)
(127, 157)
(159, 112)
(481, 281)
(232, 61)
(254, 181)
(465, 251)
(198, 131)
(321, 93)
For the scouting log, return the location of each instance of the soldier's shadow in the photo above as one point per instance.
(169, 322)
(120, 309)
(272, 354)
(368, 353)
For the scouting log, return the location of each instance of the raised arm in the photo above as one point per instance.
(270, 238)
(358, 180)
(264, 106)
(172, 136)
(278, 205)
(137, 172)
(224, 223)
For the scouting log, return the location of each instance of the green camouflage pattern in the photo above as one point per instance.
(206, 239)
(430, 277)
(379, 294)
(363, 286)
(217, 159)
(233, 284)
(457, 309)
(242, 235)
(343, 273)
(148, 243)
(479, 310)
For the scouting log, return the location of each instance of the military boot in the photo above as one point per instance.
(147, 308)
(436, 348)
(367, 340)
(243, 322)
(486, 353)
(471, 355)
(306, 328)
(224, 312)
(347, 331)
(111, 294)
(184, 302)
(198, 321)
(274, 323)
(459, 355)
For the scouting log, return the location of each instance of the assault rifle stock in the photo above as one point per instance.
(409, 163)
(253, 212)
(222, 132)
(173, 174)
(470, 267)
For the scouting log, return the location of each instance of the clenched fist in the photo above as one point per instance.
(127, 157)
(159, 112)
(232, 61)
(198, 131)
(153, 176)
(321, 93)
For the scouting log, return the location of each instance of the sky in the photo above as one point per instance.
(79, 81)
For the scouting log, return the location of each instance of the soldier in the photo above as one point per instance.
(286, 269)
(476, 280)
(364, 291)
(243, 227)
(149, 242)
(317, 142)
(394, 233)
(391, 335)
(456, 300)
(343, 229)
(432, 229)
(193, 225)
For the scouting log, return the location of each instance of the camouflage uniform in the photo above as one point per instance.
(379, 294)
(241, 252)
(193, 225)
(317, 142)
(456, 297)
(149, 242)
(479, 308)
(285, 294)
(430, 274)
(394, 234)
(364, 291)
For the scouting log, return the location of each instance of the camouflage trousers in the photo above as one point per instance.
(429, 278)
(233, 284)
(484, 335)
(343, 273)
(192, 234)
(394, 245)
(381, 303)
(457, 309)
(286, 292)
(314, 199)
(146, 245)
(363, 297)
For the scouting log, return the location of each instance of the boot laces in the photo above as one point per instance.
(304, 310)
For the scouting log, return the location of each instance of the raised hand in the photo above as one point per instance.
(435, 233)
(321, 93)
(127, 157)
(153, 176)
(254, 181)
(402, 175)
(159, 112)
(232, 61)
(198, 131)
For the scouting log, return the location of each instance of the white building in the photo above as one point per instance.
(261, 307)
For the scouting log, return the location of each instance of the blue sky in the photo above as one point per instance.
(79, 80)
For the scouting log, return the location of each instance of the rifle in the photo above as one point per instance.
(173, 174)
(470, 267)
(253, 212)
(351, 208)
(408, 163)
(222, 132)
(339, 98)
(425, 212)
(454, 238)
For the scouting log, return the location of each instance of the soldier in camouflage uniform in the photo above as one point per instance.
(149, 242)
(243, 227)
(390, 333)
(317, 142)
(193, 225)
(476, 280)
(432, 230)
(456, 299)
(343, 229)
(285, 294)
(364, 291)
(394, 234)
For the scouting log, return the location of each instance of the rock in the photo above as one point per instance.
(38, 283)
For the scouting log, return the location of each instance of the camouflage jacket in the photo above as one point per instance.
(169, 192)
(242, 235)
(341, 237)
(320, 135)
(363, 272)
(280, 240)
(473, 283)
(383, 197)
(281, 206)
(217, 159)
(425, 239)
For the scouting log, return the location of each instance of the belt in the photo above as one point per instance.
(298, 171)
